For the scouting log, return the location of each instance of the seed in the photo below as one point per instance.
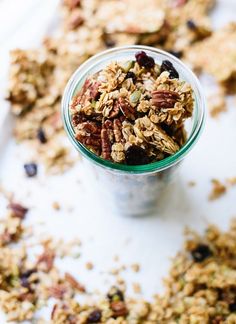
(168, 66)
(127, 65)
(131, 75)
(95, 316)
(31, 169)
(136, 155)
(41, 136)
(232, 307)
(201, 253)
(144, 60)
(135, 96)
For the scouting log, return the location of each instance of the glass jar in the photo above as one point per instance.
(133, 190)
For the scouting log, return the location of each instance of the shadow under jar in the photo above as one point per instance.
(133, 190)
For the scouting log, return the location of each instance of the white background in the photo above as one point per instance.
(150, 241)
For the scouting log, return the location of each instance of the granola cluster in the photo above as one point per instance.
(38, 76)
(200, 287)
(133, 112)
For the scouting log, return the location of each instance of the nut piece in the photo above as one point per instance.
(106, 144)
(126, 108)
(164, 98)
(119, 308)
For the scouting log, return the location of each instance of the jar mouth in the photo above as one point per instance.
(111, 54)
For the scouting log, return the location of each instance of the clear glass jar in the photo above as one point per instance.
(133, 190)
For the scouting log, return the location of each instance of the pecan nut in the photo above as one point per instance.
(74, 283)
(106, 144)
(89, 133)
(117, 129)
(126, 108)
(164, 98)
(115, 110)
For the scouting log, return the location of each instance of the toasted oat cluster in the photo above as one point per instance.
(204, 56)
(133, 112)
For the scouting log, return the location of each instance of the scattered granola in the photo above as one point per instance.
(133, 111)
(203, 55)
(218, 189)
(217, 103)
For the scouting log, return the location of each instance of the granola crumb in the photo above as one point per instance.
(218, 190)
(56, 205)
(135, 267)
(137, 288)
(89, 266)
(217, 104)
(192, 183)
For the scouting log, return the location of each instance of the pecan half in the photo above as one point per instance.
(89, 133)
(164, 98)
(74, 283)
(106, 144)
(119, 308)
(57, 291)
(46, 260)
(89, 92)
(126, 108)
(117, 129)
(115, 110)
(18, 210)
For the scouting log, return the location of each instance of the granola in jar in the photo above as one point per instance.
(133, 111)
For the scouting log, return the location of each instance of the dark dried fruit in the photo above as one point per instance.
(109, 42)
(168, 66)
(232, 307)
(41, 136)
(25, 276)
(136, 155)
(131, 75)
(201, 253)
(191, 24)
(144, 60)
(31, 169)
(115, 294)
(177, 54)
(18, 210)
(95, 316)
(119, 308)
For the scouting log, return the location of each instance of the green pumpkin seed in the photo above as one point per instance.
(127, 65)
(135, 96)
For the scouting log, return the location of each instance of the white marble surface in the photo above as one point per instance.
(150, 241)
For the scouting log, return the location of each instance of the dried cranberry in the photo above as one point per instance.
(31, 169)
(168, 66)
(24, 277)
(232, 307)
(109, 42)
(144, 60)
(115, 294)
(191, 25)
(177, 54)
(95, 316)
(136, 155)
(131, 75)
(201, 253)
(41, 136)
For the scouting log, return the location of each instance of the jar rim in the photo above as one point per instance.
(198, 119)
